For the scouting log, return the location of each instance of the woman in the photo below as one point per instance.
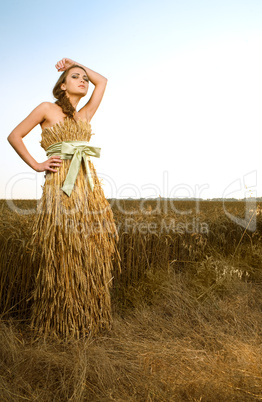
(74, 234)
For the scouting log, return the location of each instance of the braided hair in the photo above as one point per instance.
(62, 99)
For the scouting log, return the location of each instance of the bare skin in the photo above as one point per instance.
(48, 114)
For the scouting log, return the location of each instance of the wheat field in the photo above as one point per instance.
(187, 310)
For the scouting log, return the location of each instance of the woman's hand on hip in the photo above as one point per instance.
(49, 165)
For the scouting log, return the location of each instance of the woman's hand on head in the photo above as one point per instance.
(64, 64)
(49, 165)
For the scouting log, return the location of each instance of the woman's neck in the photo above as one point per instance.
(74, 99)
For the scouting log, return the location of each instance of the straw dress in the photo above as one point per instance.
(74, 241)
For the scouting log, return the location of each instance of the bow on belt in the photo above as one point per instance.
(75, 150)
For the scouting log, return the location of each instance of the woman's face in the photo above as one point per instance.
(76, 82)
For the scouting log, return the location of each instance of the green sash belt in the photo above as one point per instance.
(75, 150)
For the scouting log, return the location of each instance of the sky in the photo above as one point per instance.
(181, 115)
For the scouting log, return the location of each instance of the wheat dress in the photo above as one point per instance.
(74, 241)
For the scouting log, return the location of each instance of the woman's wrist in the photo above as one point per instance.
(30, 161)
(35, 166)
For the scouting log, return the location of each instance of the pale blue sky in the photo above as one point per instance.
(183, 104)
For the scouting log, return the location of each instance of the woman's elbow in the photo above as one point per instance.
(104, 81)
(10, 138)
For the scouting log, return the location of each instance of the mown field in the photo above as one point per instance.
(187, 310)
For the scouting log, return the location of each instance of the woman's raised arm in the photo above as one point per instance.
(15, 138)
(97, 80)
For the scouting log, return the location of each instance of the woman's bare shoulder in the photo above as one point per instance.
(44, 108)
(53, 114)
(48, 106)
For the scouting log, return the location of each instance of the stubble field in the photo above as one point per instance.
(187, 310)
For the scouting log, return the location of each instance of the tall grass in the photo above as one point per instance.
(187, 313)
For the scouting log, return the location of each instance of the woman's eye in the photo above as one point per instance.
(86, 79)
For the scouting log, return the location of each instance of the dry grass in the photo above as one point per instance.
(187, 313)
(71, 246)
